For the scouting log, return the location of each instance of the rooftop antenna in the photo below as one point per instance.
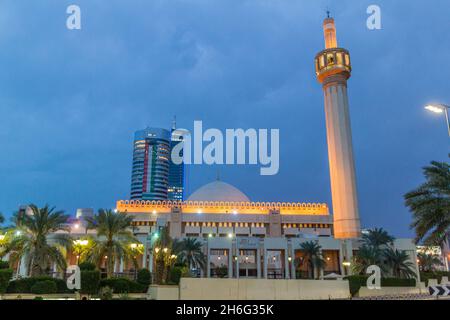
(174, 123)
(218, 175)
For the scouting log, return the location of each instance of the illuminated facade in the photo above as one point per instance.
(333, 68)
(151, 157)
(177, 173)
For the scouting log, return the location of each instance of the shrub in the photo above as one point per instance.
(24, 285)
(123, 285)
(44, 287)
(144, 277)
(87, 266)
(358, 281)
(90, 282)
(5, 276)
(4, 265)
(106, 293)
(425, 276)
(175, 274)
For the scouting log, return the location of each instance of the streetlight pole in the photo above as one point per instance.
(440, 108)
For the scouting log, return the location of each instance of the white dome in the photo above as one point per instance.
(218, 191)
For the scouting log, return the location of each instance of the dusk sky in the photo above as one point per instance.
(70, 100)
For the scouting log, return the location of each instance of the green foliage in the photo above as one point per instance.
(428, 262)
(175, 274)
(106, 293)
(114, 239)
(190, 253)
(312, 257)
(90, 281)
(87, 266)
(376, 238)
(144, 277)
(425, 276)
(358, 281)
(122, 285)
(44, 287)
(4, 265)
(24, 285)
(5, 276)
(430, 204)
(32, 235)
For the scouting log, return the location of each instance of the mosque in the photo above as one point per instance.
(263, 239)
(246, 239)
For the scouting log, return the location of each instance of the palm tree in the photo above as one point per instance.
(312, 257)
(400, 263)
(365, 257)
(2, 218)
(163, 256)
(190, 253)
(428, 262)
(430, 205)
(377, 238)
(36, 240)
(113, 240)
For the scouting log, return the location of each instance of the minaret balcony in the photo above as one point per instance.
(332, 61)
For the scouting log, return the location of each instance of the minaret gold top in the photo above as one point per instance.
(333, 69)
(329, 31)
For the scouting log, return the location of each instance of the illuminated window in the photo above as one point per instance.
(347, 60)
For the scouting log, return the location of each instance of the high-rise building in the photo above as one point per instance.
(151, 158)
(333, 69)
(177, 174)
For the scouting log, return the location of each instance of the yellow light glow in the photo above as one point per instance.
(165, 250)
(346, 263)
(434, 108)
(156, 250)
(230, 235)
(2, 237)
(81, 242)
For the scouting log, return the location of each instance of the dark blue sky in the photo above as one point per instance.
(71, 100)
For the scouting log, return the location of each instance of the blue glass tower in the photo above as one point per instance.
(151, 158)
(177, 174)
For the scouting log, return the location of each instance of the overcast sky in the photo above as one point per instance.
(70, 101)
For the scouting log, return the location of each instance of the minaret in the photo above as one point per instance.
(333, 68)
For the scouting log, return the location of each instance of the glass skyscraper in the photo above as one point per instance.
(177, 174)
(151, 162)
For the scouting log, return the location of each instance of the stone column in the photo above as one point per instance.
(144, 256)
(230, 262)
(258, 263)
(286, 263)
(121, 265)
(265, 263)
(208, 263)
(293, 275)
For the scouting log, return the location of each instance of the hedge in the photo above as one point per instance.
(123, 285)
(24, 285)
(175, 275)
(90, 282)
(44, 287)
(425, 276)
(357, 281)
(5, 276)
(144, 277)
(87, 266)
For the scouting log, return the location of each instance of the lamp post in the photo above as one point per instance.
(440, 108)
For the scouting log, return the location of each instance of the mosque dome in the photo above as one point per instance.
(218, 191)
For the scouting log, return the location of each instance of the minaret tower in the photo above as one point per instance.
(333, 69)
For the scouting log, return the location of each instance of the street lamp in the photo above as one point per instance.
(440, 108)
